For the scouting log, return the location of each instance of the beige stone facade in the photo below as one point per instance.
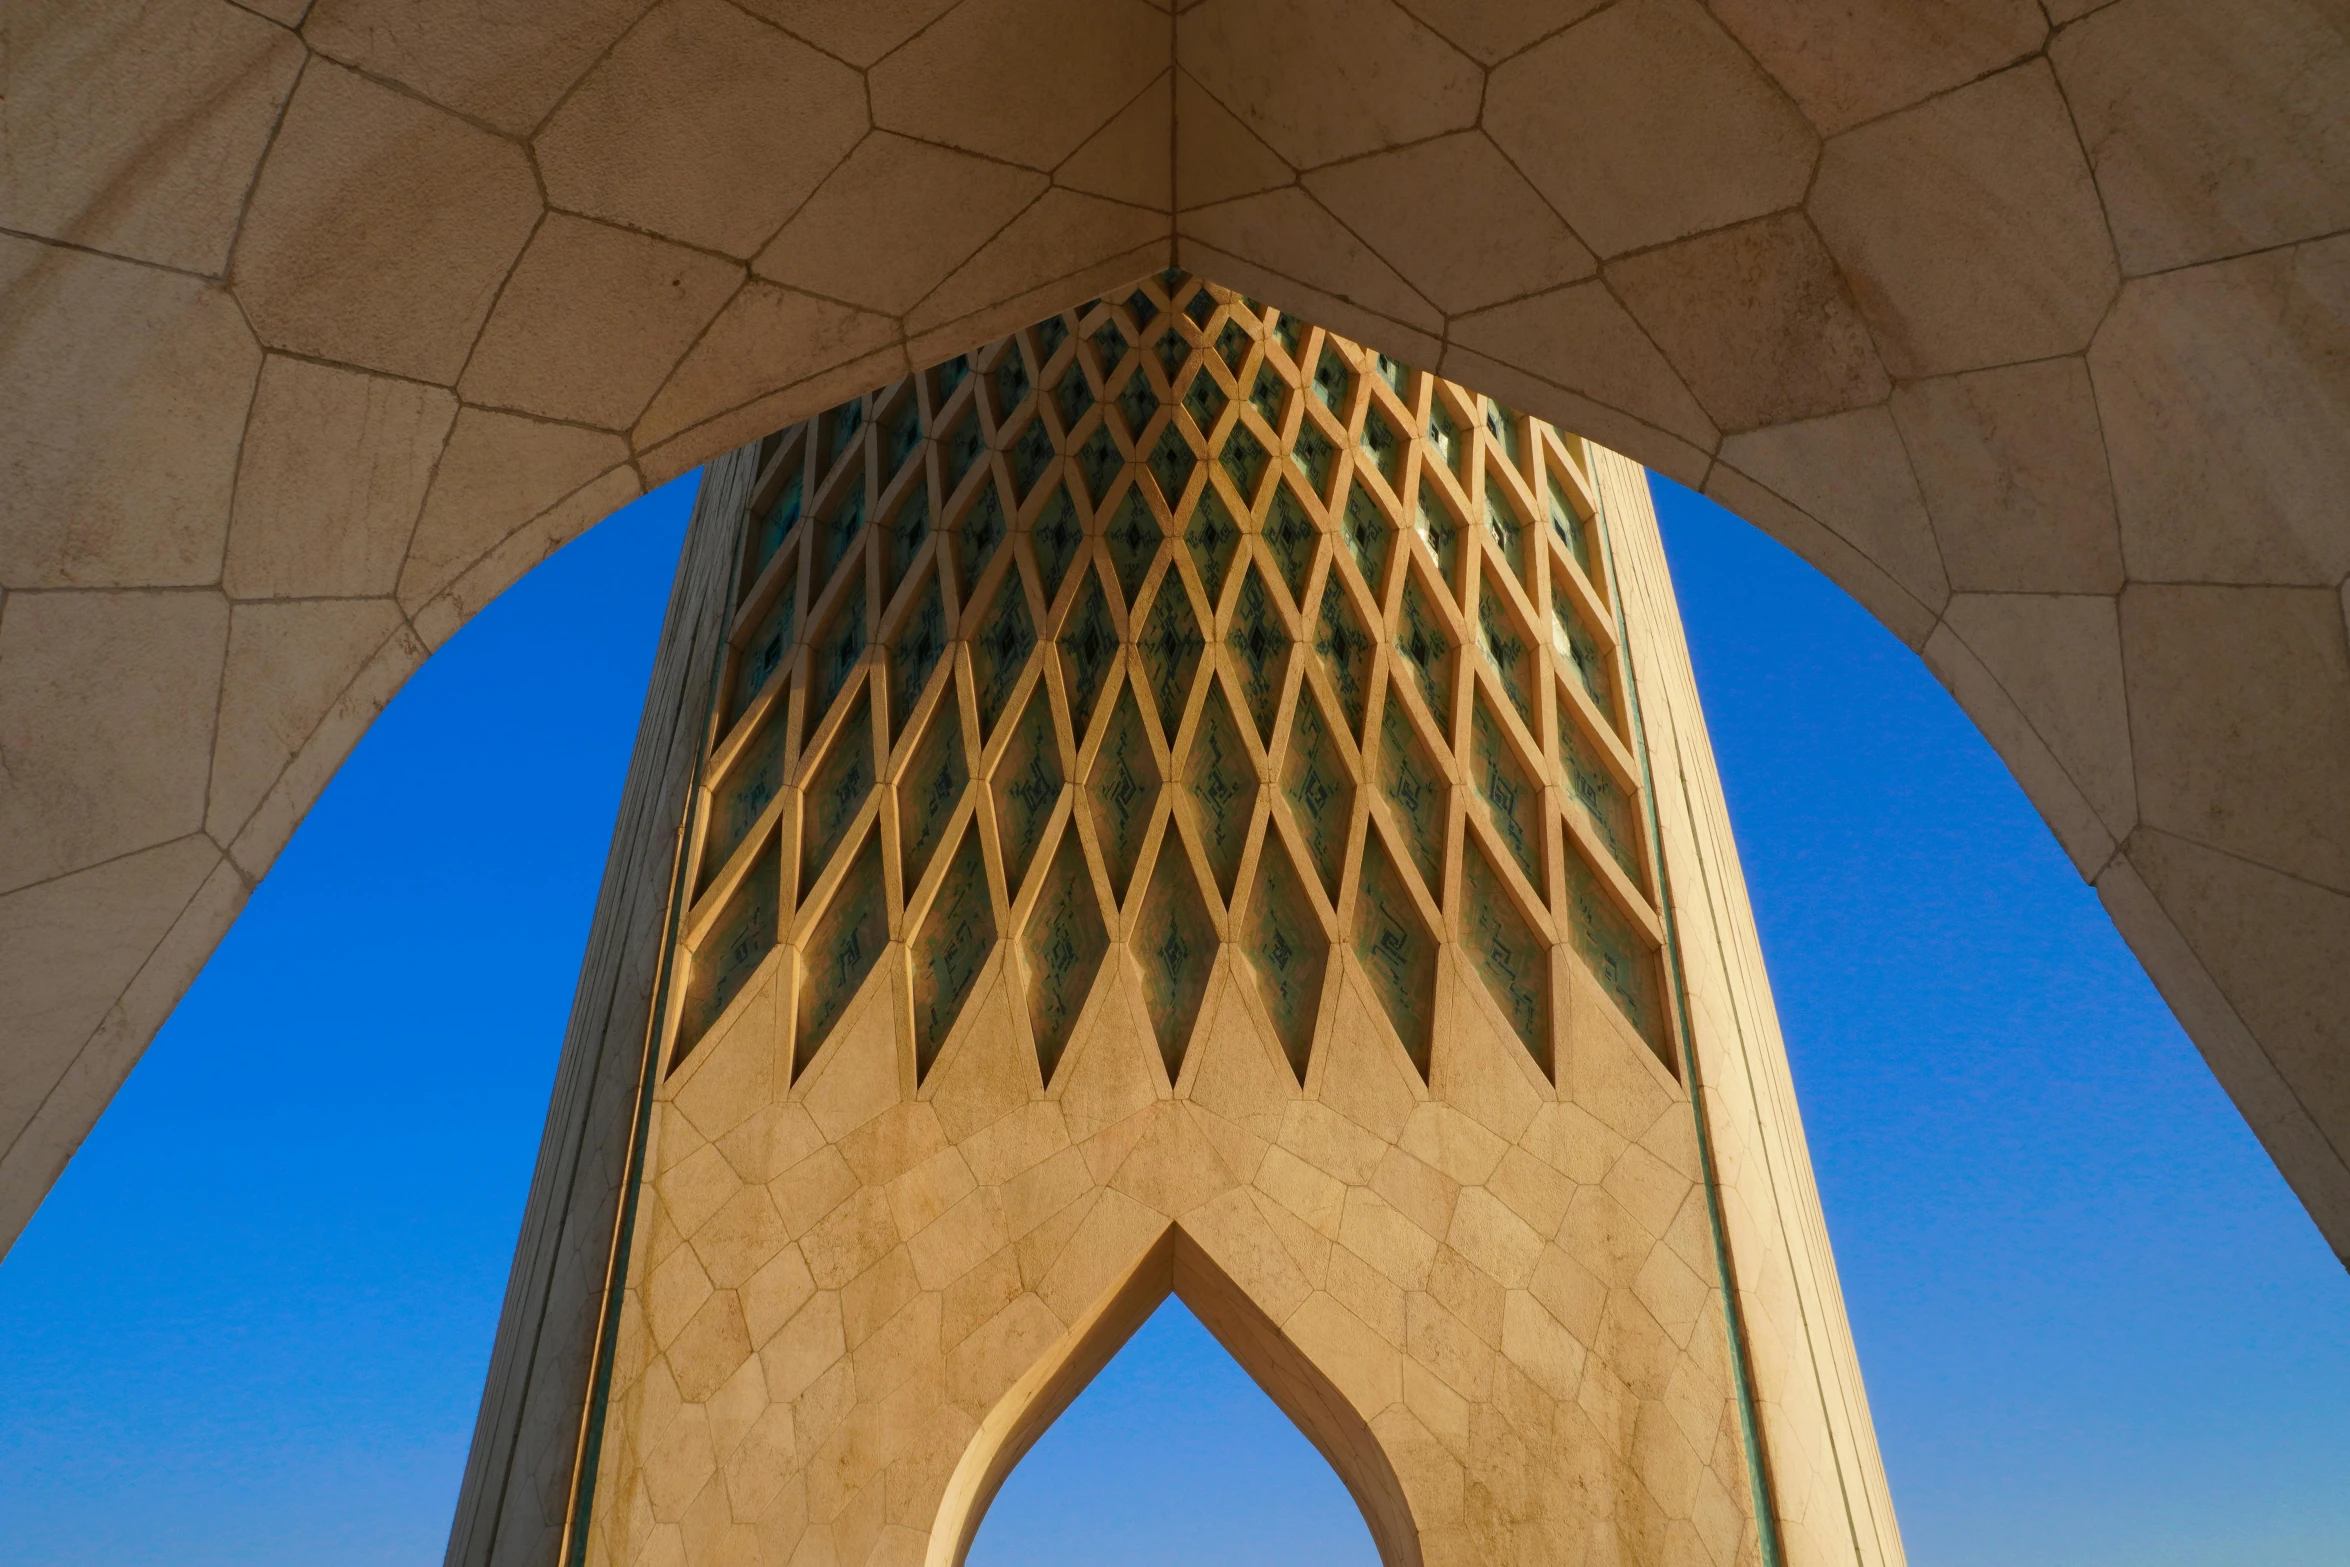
(1142, 844)
(2023, 321)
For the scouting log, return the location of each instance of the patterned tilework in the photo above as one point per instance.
(1164, 465)
(1063, 945)
(1122, 791)
(1174, 948)
(834, 792)
(1223, 789)
(1287, 951)
(1259, 640)
(950, 949)
(1320, 789)
(928, 790)
(745, 933)
(842, 949)
(1028, 780)
(750, 784)
(1397, 952)
(1506, 951)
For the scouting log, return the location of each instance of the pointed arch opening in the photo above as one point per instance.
(1177, 1266)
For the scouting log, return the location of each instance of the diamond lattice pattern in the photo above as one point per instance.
(1177, 623)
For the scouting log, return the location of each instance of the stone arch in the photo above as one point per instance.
(321, 326)
(1178, 1264)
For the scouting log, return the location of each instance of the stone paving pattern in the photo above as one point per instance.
(910, 1185)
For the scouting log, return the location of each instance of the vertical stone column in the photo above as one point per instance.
(1176, 818)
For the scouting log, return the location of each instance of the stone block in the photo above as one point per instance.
(677, 130)
(506, 63)
(124, 389)
(401, 281)
(1669, 128)
(1856, 61)
(1968, 227)
(1758, 322)
(331, 478)
(135, 130)
(951, 83)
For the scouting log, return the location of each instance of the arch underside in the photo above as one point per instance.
(324, 326)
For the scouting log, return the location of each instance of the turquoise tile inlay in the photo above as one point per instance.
(1232, 346)
(1028, 781)
(1426, 649)
(1396, 375)
(1512, 801)
(1132, 538)
(1332, 379)
(850, 935)
(1508, 650)
(1290, 534)
(1344, 648)
(1175, 950)
(1098, 462)
(1502, 425)
(1507, 953)
(1223, 786)
(964, 449)
(1567, 521)
(1415, 789)
(835, 792)
(1593, 664)
(1397, 952)
(1433, 521)
(837, 653)
(1614, 953)
(766, 650)
(1316, 457)
(1205, 401)
(1266, 397)
(921, 643)
(1109, 347)
(1369, 536)
(976, 539)
(929, 790)
(1507, 530)
(1286, 950)
(1445, 436)
(1064, 944)
(1000, 652)
(1594, 788)
(1051, 333)
(951, 374)
(839, 533)
(1011, 382)
(1170, 350)
(1171, 463)
(1054, 537)
(1200, 306)
(1136, 403)
(775, 526)
(1382, 446)
(950, 950)
(902, 439)
(1122, 791)
(1320, 790)
(1213, 538)
(1259, 640)
(1170, 648)
(730, 955)
(909, 530)
(1074, 398)
(1089, 651)
(1290, 332)
(1031, 455)
(1244, 459)
(750, 785)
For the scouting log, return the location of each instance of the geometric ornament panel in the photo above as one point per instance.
(1175, 623)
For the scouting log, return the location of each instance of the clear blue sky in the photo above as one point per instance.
(249, 1325)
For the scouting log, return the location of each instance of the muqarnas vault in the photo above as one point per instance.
(1178, 813)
